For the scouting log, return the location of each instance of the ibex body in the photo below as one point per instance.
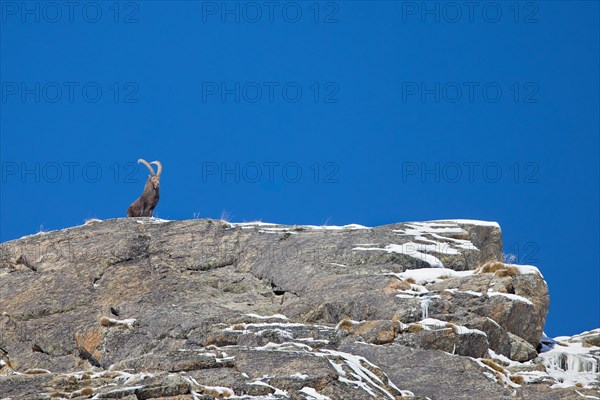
(145, 204)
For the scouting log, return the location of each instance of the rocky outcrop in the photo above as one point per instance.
(146, 309)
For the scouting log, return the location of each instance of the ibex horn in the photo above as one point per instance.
(147, 165)
(159, 166)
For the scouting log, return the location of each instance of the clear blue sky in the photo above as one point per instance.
(304, 113)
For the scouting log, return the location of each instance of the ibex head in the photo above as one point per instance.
(154, 177)
(145, 204)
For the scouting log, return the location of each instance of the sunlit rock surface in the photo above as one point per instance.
(200, 309)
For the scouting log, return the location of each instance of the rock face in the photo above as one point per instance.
(202, 309)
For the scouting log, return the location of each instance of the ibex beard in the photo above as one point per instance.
(145, 204)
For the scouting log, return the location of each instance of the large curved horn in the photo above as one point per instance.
(147, 165)
(159, 166)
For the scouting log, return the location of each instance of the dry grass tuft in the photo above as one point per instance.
(84, 392)
(411, 280)
(414, 328)
(216, 393)
(393, 285)
(499, 379)
(345, 324)
(490, 266)
(10, 364)
(36, 371)
(220, 340)
(492, 364)
(519, 380)
(499, 269)
(510, 271)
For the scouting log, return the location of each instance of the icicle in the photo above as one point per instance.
(425, 308)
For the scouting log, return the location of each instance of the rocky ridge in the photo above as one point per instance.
(201, 309)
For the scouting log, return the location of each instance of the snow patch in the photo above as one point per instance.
(128, 323)
(364, 377)
(278, 227)
(469, 292)
(299, 376)
(526, 269)
(339, 265)
(313, 394)
(585, 396)
(423, 276)
(515, 297)
(475, 222)
(415, 250)
(274, 316)
(152, 220)
(571, 362)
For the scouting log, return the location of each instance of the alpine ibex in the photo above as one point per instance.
(144, 205)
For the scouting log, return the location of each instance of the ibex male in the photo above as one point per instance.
(144, 205)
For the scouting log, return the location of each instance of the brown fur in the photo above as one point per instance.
(145, 204)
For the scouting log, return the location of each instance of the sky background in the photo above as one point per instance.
(314, 113)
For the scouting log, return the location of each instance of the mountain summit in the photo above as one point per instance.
(143, 308)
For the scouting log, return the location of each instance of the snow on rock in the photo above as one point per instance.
(353, 370)
(120, 392)
(415, 250)
(469, 292)
(496, 376)
(571, 361)
(299, 376)
(429, 323)
(425, 308)
(152, 220)
(432, 322)
(272, 228)
(334, 227)
(274, 316)
(511, 296)
(128, 323)
(313, 394)
(278, 392)
(462, 330)
(423, 276)
(475, 222)
(246, 327)
(439, 230)
(339, 265)
(363, 377)
(526, 269)
(437, 237)
(587, 396)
